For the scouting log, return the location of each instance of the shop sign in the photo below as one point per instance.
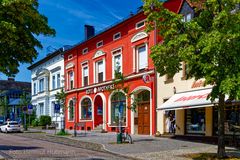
(198, 84)
(147, 78)
(100, 89)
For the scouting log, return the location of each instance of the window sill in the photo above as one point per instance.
(168, 81)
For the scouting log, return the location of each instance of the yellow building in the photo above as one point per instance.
(184, 104)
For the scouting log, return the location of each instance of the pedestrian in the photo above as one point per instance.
(168, 124)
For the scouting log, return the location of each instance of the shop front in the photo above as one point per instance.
(196, 115)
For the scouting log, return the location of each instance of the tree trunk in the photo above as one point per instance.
(221, 143)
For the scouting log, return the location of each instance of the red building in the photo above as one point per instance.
(89, 71)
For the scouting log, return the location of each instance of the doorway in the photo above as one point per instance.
(98, 111)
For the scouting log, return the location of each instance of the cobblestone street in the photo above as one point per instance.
(103, 145)
(39, 146)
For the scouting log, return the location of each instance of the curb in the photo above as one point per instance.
(103, 147)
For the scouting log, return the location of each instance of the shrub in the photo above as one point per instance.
(35, 122)
(45, 120)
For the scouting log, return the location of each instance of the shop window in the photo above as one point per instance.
(142, 58)
(118, 109)
(195, 121)
(231, 119)
(71, 111)
(86, 109)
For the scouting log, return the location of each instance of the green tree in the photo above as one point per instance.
(20, 24)
(4, 106)
(25, 100)
(61, 99)
(209, 45)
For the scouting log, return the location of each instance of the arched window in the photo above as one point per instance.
(86, 109)
(118, 108)
(71, 111)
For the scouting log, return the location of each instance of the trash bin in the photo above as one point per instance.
(119, 138)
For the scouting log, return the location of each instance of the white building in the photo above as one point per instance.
(47, 78)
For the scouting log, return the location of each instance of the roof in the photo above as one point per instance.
(50, 56)
(14, 85)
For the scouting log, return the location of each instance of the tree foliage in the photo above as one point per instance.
(20, 24)
(209, 44)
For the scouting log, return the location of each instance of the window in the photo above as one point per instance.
(53, 82)
(142, 57)
(71, 111)
(195, 120)
(85, 50)
(140, 24)
(41, 108)
(70, 56)
(117, 36)
(34, 88)
(85, 75)
(86, 109)
(99, 44)
(187, 17)
(41, 85)
(99, 72)
(71, 80)
(118, 108)
(117, 62)
(58, 80)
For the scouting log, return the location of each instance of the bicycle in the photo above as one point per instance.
(126, 137)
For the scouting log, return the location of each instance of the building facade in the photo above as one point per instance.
(10, 94)
(90, 70)
(47, 78)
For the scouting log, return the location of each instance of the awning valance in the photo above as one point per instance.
(189, 99)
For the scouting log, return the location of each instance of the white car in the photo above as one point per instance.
(10, 126)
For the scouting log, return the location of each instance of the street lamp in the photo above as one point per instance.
(74, 99)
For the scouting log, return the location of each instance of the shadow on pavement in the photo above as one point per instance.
(5, 147)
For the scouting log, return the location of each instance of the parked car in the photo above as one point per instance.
(10, 126)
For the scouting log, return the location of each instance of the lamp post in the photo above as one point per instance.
(74, 99)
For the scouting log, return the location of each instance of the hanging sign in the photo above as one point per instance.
(147, 78)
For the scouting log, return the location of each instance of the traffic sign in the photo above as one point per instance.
(56, 108)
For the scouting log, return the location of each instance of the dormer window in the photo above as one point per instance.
(117, 36)
(99, 44)
(70, 57)
(140, 24)
(85, 51)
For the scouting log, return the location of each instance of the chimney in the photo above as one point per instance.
(11, 79)
(89, 31)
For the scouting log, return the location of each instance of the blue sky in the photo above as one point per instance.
(68, 17)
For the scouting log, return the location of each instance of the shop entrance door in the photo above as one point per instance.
(144, 118)
(98, 111)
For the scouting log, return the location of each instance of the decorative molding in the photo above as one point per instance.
(99, 53)
(55, 69)
(138, 36)
(42, 71)
(70, 65)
